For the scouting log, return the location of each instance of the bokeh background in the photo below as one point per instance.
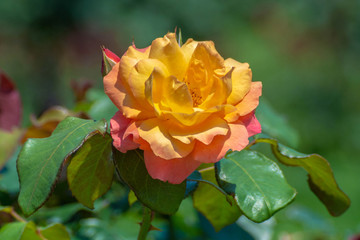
(306, 53)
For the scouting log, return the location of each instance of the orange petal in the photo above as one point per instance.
(174, 171)
(154, 132)
(120, 94)
(236, 140)
(204, 132)
(248, 104)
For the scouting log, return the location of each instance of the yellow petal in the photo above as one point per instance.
(241, 80)
(139, 74)
(222, 87)
(168, 51)
(204, 132)
(138, 53)
(161, 143)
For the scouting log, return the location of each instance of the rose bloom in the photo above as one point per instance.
(183, 105)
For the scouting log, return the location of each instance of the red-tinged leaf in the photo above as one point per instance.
(10, 104)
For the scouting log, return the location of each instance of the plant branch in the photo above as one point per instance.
(145, 225)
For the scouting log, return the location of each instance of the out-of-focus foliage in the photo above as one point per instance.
(306, 53)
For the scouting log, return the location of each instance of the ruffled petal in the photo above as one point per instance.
(174, 171)
(251, 123)
(204, 132)
(168, 51)
(241, 80)
(247, 104)
(236, 140)
(162, 144)
(118, 125)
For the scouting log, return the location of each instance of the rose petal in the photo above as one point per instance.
(248, 103)
(236, 140)
(168, 51)
(174, 171)
(241, 80)
(162, 144)
(251, 123)
(118, 125)
(204, 132)
(120, 93)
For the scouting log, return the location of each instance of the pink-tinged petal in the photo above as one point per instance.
(252, 124)
(251, 100)
(132, 131)
(174, 171)
(118, 126)
(236, 140)
(143, 50)
(154, 132)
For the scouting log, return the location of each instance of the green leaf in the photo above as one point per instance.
(157, 195)
(275, 125)
(12, 231)
(30, 232)
(213, 204)
(90, 172)
(19, 231)
(321, 178)
(41, 160)
(55, 232)
(257, 182)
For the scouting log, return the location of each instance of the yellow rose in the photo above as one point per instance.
(183, 105)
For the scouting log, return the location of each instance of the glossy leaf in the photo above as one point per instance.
(90, 172)
(55, 232)
(259, 186)
(321, 178)
(10, 104)
(275, 125)
(40, 160)
(213, 204)
(157, 195)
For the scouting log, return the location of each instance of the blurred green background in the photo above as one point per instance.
(306, 53)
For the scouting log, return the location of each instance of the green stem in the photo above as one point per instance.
(145, 226)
